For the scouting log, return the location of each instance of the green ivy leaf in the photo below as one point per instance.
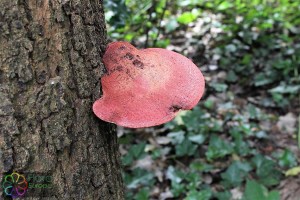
(143, 194)
(127, 159)
(200, 166)
(235, 173)
(199, 139)
(137, 150)
(199, 195)
(282, 89)
(138, 177)
(177, 137)
(257, 191)
(185, 148)
(177, 189)
(223, 195)
(224, 5)
(231, 76)
(219, 87)
(218, 148)
(188, 17)
(287, 159)
(174, 174)
(266, 171)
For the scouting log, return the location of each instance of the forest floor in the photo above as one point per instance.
(237, 134)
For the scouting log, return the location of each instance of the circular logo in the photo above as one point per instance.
(14, 185)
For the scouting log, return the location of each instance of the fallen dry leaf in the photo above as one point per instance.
(290, 188)
(287, 123)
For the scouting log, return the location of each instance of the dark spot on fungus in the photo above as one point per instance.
(138, 64)
(128, 73)
(118, 68)
(122, 47)
(175, 108)
(128, 56)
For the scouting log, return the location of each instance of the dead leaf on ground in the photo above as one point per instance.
(287, 123)
(290, 188)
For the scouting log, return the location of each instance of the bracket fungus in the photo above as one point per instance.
(146, 87)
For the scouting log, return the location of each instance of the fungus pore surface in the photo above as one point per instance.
(146, 87)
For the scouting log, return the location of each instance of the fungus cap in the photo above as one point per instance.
(146, 87)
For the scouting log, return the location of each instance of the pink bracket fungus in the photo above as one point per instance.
(146, 87)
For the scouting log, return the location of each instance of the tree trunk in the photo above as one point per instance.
(50, 58)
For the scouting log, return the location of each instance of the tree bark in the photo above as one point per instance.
(50, 58)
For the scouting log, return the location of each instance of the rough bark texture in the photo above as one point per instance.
(50, 58)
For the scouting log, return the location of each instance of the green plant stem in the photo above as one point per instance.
(159, 24)
(299, 128)
(150, 10)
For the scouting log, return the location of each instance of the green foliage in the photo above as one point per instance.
(130, 19)
(235, 174)
(261, 44)
(287, 159)
(219, 87)
(223, 195)
(135, 152)
(255, 190)
(178, 177)
(199, 195)
(185, 148)
(266, 170)
(219, 146)
(143, 194)
(188, 17)
(258, 40)
(138, 177)
(232, 149)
